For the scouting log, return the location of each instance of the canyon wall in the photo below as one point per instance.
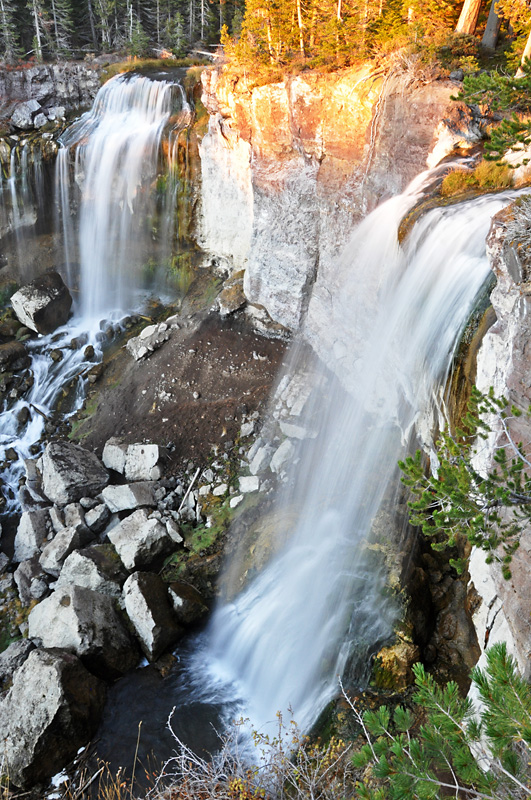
(289, 168)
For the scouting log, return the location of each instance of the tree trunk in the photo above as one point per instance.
(525, 54)
(469, 17)
(38, 40)
(490, 37)
(299, 22)
(92, 24)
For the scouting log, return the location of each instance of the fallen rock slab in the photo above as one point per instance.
(12, 658)
(94, 568)
(52, 709)
(129, 496)
(64, 543)
(87, 623)
(140, 541)
(147, 605)
(69, 472)
(33, 528)
(44, 304)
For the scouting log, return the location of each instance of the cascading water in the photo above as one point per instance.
(392, 318)
(116, 150)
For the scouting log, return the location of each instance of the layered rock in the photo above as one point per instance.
(288, 168)
(503, 612)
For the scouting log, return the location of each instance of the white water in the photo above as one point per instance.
(320, 605)
(114, 153)
(117, 147)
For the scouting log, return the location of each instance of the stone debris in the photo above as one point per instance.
(64, 543)
(149, 340)
(33, 528)
(95, 569)
(249, 483)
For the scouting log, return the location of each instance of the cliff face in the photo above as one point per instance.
(503, 363)
(289, 168)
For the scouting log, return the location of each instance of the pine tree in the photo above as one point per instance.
(459, 750)
(9, 43)
(468, 19)
(62, 27)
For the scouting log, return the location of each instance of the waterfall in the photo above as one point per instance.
(117, 148)
(387, 322)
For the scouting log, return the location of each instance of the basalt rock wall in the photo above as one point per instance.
(289, 168)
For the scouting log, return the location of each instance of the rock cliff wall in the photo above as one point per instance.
(504, 610)
(289, 168)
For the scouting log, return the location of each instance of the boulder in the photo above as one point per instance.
(70, 472)
(189, 605)
(96, 568)
(143, 462)
(52, 709)
(249, 483)
(13, 357)
(150, 339)
(12, 658)
(140, 541)
(114, 454)
(231, 298)
(44, 304)
(97, 518)
(147, 605)
(64, 543)
(22, 116)
(87, 623)
(282, 455)
(31, 581)
(129, 496)
(33, 528)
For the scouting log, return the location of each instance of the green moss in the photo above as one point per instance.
(78, 432)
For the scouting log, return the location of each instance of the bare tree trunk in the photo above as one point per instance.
(299, 21)
(313, 24)
(525, 54)
(469, 16)
(38, 40)
(339, 9)
(490, 37)
(92, 24)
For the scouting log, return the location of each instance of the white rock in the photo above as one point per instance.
(32, 531)
(80, 569)
(246, 429)
(70, 472)
(130, 496)
(143, 462)
(282, 454)
(235, 501)
(250, 483)
(219, 491)
(114, 454)
(261, 460)
(139, 540)
(64, 542)
(87, 623)
(97, 518)
(148, 607)
(174, 531)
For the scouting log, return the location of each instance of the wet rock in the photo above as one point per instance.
(51, 710)
(44, 304)
(13, 357)
(22, 116)
(85, 622)
(94, 568)
(88, 353)
(23, 415)
(12, 658)
(40, 120)
(147, 605)
(140, 541)
(189, 605)
(70, 472)
(249, 483)
(130, 496)
(282, 456)
(64, 543)
(56, 355)
(261, 459)
(33, 528)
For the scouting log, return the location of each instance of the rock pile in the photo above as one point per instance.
(86, 565)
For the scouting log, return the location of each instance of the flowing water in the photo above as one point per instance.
(107, 204)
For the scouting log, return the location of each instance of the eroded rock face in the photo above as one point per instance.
(289, 168)
(58, 87)
(51, 710)
(69, 472)
(503, 610)
(44, 304)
